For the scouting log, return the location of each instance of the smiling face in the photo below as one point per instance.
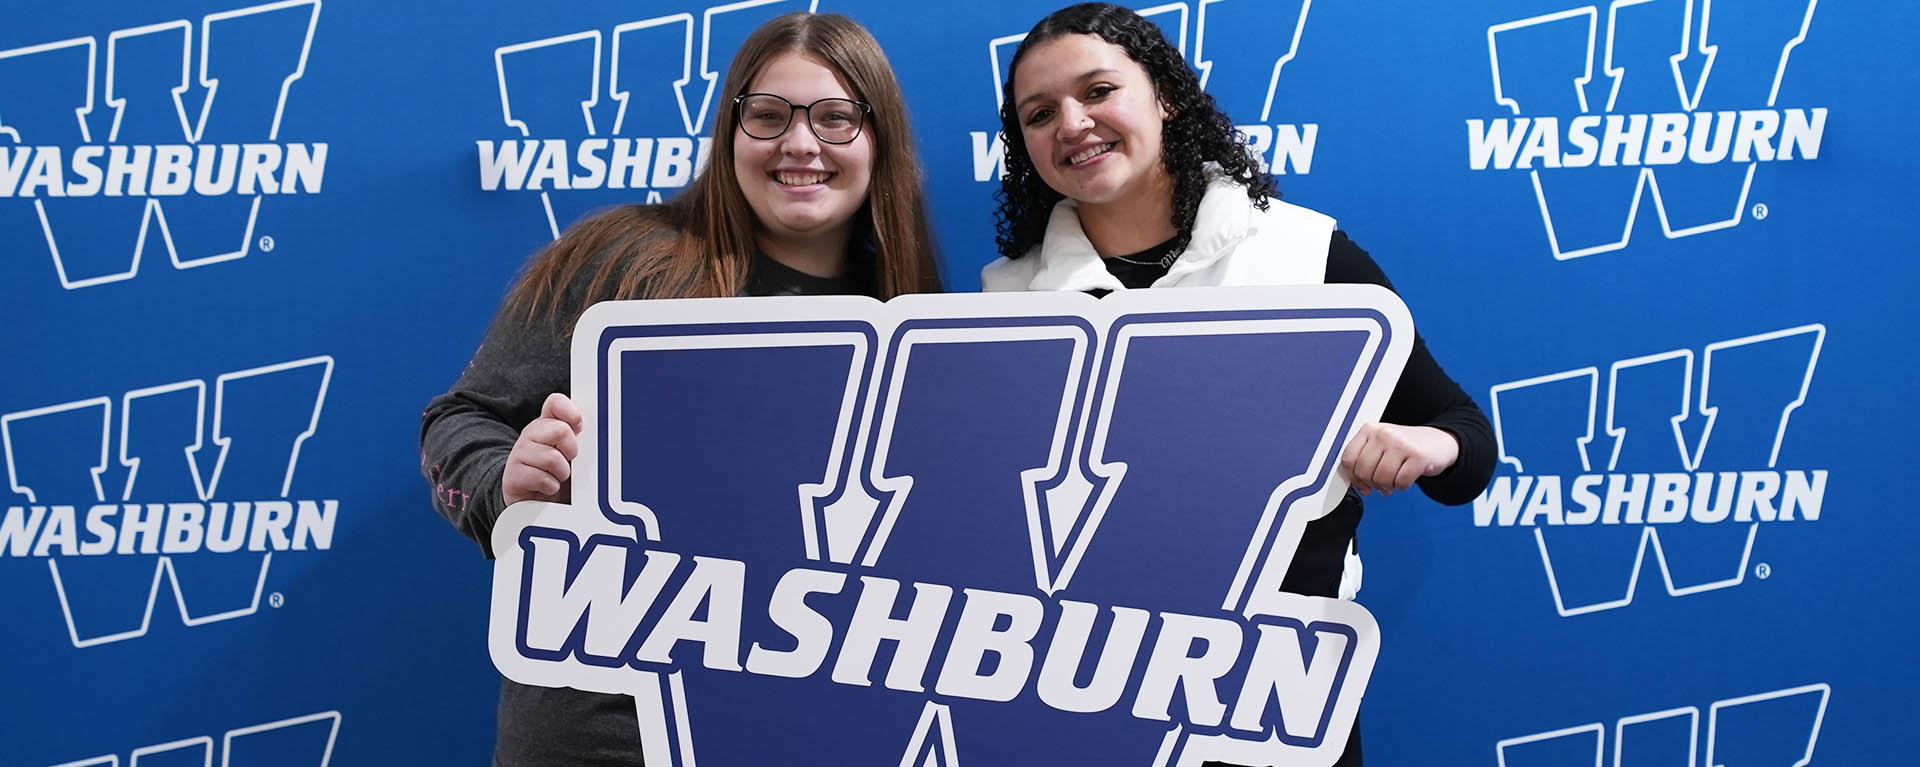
(1092, 122)
(801, 189)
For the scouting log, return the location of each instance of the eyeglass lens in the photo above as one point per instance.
(835, 121)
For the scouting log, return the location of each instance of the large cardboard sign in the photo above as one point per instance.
(1010, 529)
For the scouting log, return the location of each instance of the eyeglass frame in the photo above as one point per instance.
(740, 101)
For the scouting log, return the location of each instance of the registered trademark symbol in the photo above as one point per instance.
(1760, 571)
(266, 243)
(275, 600)
(1759, 211)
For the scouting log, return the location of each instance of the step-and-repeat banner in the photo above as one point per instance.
(1662, 242)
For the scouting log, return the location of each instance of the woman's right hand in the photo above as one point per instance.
(539, 468)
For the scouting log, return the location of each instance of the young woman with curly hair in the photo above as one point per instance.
(1123, 174)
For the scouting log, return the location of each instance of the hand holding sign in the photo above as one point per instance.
(866, 558)
(539, 468)
(1388, 457)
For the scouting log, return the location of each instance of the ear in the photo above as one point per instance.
(1166, 113)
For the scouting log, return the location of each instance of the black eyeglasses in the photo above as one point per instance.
(834, 121)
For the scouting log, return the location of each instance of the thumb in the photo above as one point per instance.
(559, 407)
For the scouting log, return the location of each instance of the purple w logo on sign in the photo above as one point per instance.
(1015, 527)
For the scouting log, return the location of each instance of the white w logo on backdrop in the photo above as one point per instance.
(182, 98)
(1606, 472)
(1777, 728)
(1682, 117)
(61, 460)
(302, 741)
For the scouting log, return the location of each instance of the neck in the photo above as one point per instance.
(1138, 222)
(824, 255)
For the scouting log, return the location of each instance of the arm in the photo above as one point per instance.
(506, 431)
(1426, 398)
(467, 433)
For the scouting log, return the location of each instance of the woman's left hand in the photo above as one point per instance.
(1388, 457)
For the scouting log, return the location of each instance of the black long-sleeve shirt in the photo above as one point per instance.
(1424, 396)
(466, 433)
(465, 436)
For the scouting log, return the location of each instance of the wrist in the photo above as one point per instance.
(1446, 450)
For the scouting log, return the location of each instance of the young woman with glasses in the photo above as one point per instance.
(1123, 174)
(812, 188)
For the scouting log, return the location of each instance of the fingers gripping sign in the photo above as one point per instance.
(539, 468)
(1388, 457)
(767, 485)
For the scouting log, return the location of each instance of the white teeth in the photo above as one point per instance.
(1089, 154)
(801, 178)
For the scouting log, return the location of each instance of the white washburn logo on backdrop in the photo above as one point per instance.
(198, 492)
(1691, 480)
(1239, 48)
(1778, 727)
(118, 144)
(1674, 105)
(933, 558)
(645, 129)
(302, 741)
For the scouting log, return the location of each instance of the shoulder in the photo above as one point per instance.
(621, 232)
(1063, 260)
(564, 276)
(1347, 262)
(1284, 215)
(1284, 244)
(617, 226)
(1010, 273)
(1227, 210)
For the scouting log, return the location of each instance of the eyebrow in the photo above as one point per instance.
(1088, 75)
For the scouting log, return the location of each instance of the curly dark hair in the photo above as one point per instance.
(1197, 132)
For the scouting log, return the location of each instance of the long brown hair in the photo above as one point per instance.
(701, 243)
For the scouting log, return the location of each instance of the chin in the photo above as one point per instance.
(1099, 195)
(1086, 191)
(806, 223)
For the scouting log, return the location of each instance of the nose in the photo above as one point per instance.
(799, 140)
(1074, 119)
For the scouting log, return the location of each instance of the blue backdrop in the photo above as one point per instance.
(243, 244)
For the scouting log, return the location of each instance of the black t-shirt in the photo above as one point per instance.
(768, 277)
(1142, 269)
